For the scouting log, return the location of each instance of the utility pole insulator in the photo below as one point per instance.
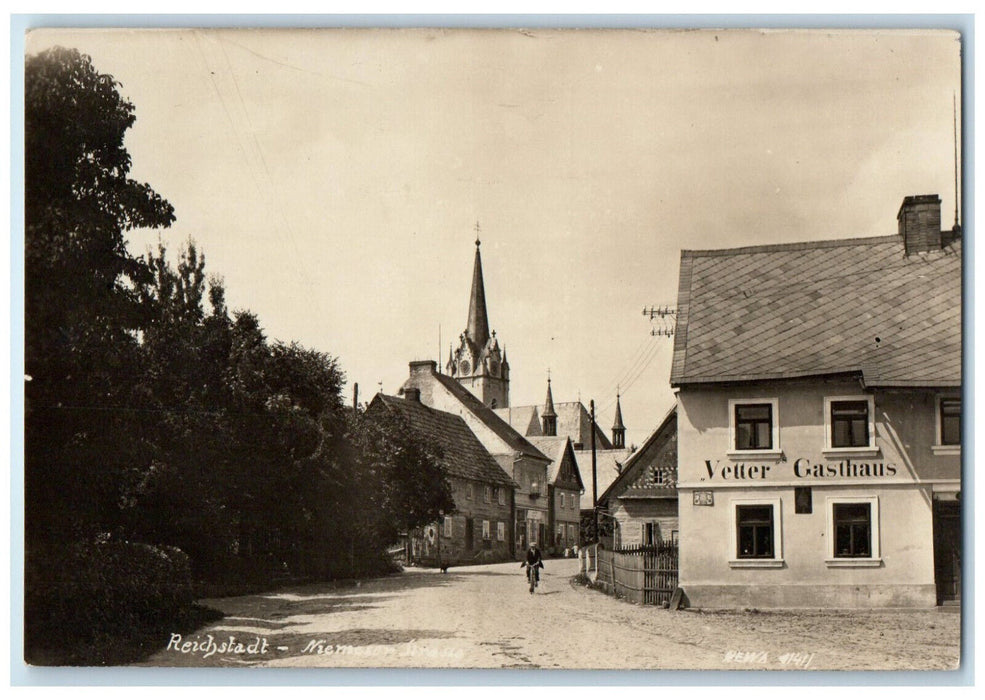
(659, 311)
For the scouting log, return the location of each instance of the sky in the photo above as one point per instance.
(334, 178)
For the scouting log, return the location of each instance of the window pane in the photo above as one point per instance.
(860, 432)
(754, 525)
(746, 543)
(753, 412)
(764, 541)
(743, 436)
(950, 421)
(764, 436)
(755, 514)
(861, 539)
(853, 529)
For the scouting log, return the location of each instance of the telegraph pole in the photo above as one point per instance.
(595, 477)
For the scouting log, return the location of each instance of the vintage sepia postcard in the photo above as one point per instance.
(493, 348)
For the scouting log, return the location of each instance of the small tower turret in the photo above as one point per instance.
(618, 429)
(549, 415)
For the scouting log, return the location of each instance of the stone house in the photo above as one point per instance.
(481, 527)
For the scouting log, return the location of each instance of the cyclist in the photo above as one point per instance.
(534, 563)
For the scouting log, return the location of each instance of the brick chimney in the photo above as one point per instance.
(425, 367)
(920, 223)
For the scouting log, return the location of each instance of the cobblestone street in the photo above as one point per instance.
(484, 617)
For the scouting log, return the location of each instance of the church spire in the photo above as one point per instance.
(549, 416)
(478, 325)
(618, 429)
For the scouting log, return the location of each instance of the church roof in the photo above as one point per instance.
(524, 419)
(463, 454)
(549, 403)
(617, 423)
(573, 420)
(488, 416)
(477, 329)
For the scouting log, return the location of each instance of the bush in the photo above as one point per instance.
(79, 594)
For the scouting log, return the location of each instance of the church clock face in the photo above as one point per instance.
(466, 367)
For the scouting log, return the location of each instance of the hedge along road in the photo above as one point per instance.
(484, 617)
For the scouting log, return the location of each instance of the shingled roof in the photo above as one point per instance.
(857, 306)
(464, 456)
(488, 416)
(558, 447)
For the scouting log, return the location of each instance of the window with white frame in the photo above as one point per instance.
(501, 531)
(853, 531)
(849, 424)
(469, 491)
(562, 499)
(487, 492)
(754, 427)
(948, 424)
(485, 529)
(757, 540)
(446, 531)
(501, 495)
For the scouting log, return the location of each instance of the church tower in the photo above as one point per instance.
(479, 364)
(549, 415)
(618, 429)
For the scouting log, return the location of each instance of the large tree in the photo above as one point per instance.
(83, 313)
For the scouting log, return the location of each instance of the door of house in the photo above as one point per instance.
(947, 551)
(469, 533)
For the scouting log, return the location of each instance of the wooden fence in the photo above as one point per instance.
(645, 574)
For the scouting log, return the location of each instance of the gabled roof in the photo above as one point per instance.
(558, 448)
(488, 416)
(524, 419)
(856, 306)
(574, 420)
(464, 456)
(638, 476)
(608, 465)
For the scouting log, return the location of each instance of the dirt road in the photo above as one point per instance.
(484, 617)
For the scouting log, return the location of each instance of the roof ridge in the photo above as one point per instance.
(489, 416)
(797, 245)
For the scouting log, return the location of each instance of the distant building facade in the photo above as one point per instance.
(481, 527)
(819, 420)
(642, 501)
